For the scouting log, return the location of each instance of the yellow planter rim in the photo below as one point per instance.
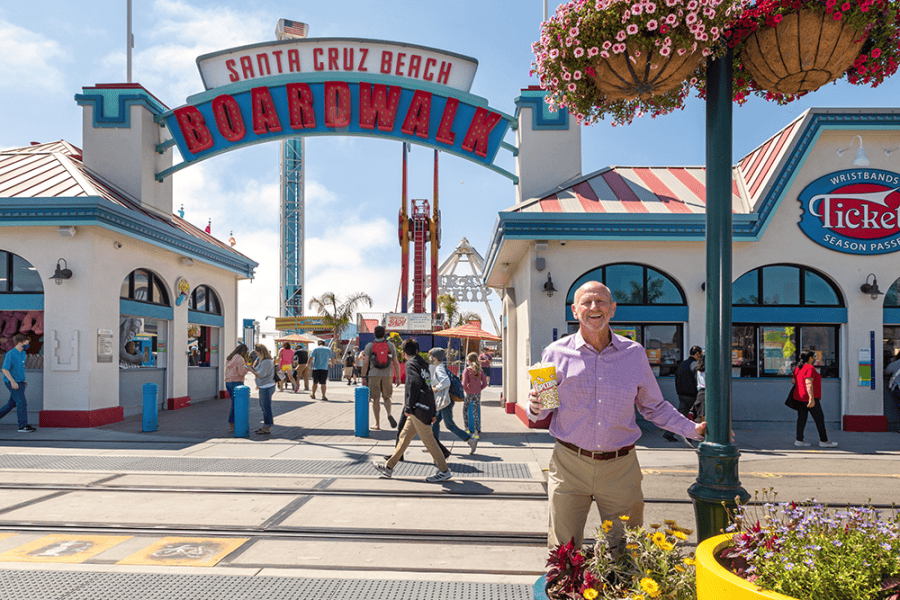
(715, 581)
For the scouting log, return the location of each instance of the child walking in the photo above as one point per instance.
(473, 380)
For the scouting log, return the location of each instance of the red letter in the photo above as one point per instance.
(383, 106)
(418, 115)
(337, 104)
(300, 106)
(277, 55)
(348, 59)
(387, 57)
(260, 59)
(294, 60)
(476, 139)
(444, 134)
(428, 74)
(228, 118)
(444, 75)
(193, 128)
(247, 67)
(318, 66)
(362, 59)
(333, 60)
(229, 64)
(265, 119)
(414, 62)
(400, 63)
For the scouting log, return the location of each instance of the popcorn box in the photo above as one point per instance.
(543, 380)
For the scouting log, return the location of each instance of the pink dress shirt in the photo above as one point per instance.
(598, 393)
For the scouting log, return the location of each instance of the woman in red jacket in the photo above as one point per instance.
(809, 390)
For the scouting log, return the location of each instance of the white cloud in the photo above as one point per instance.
(36, 64)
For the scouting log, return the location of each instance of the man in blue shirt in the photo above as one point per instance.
(13, 370)
(319, 360)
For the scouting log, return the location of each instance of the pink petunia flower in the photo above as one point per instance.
(652, 25)
(621, 35)
(632, 29)
(579, 52)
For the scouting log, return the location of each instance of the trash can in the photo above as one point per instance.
(362, 411)
(150, 420)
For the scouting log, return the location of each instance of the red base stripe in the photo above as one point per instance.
(522, 413)
(81, 418)
(865, 423)
(176, 403)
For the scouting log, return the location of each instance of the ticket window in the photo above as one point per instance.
(143, 342)
(203, 346)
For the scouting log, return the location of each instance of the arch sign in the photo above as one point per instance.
(337, 86)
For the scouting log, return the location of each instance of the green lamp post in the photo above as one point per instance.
(717, 483)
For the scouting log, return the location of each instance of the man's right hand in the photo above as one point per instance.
(13, 384)
(534, 403)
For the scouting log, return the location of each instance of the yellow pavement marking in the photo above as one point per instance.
(770, 474)
(3, 536)
(185, 552)
(63, 548)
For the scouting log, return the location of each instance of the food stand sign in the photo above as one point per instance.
(855, 211)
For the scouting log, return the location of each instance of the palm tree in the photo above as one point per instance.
(452, 315)
(336, 313)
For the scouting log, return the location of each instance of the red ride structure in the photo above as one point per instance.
(420, 229)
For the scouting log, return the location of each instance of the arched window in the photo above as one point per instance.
(143, 285)
(204, 299)
(17, 275)
(785, 285)
(778, 311)
(650, 309)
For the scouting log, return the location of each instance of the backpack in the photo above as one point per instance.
(457, 393)
(381, 355)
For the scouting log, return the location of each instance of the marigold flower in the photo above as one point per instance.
(590, 594)
(650, 587)
(606, 526)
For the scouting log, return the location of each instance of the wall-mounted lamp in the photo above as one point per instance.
(861, 159)
(871, 288)
(61, 272)
(548, 286)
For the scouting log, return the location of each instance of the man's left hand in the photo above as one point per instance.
(700, 428)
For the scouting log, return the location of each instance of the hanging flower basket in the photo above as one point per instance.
(802, 53)
(626, 58)
(635, 75)
(784, 49)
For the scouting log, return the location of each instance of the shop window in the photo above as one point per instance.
(142, 342)
(632, 285)
(772, 350)
(203, 345)
(144, 286)
(661, 341)
(18, 276)
(784, 285)
(203, 299)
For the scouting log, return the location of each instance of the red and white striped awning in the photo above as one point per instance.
(664, 190)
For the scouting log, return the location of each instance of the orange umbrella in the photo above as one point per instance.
(470, 331)
(297, 338)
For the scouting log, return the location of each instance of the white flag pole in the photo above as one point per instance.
(129, 44)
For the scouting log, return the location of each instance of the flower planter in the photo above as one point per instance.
(635, 75)
(715, 582)
(802, 53)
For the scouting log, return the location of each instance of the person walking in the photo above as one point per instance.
(601, 378)
(301, 357)
(686, 385)
(474, 380)
(699, 409)
(358, 368)
(286, 365)
(808, 390)
(440, 384)
(419, 409)
(264, 371)
(320, 360)
(381, 361)
(235, 372)
(485, 360)
(13, 370)
(349, 362)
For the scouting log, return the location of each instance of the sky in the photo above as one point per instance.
(353, 184)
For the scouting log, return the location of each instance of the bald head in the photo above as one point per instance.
(593, 286)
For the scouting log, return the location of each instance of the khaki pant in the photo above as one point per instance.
(411, 429)
(303, 371)
(380, 389)
(575, 481)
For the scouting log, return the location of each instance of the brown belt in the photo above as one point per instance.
(597, 455)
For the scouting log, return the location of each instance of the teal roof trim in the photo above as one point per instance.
(97, 211)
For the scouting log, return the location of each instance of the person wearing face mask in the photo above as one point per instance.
(13, 370)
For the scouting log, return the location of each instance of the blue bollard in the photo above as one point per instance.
(150, 420)
(362, 411)
(242, 411)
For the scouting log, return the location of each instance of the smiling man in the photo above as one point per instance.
(602, 377)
